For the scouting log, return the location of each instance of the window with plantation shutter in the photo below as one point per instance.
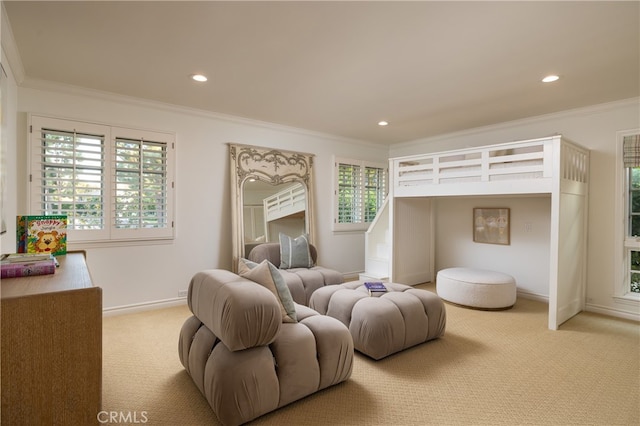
(113, 183)
(349, 194)
(360, 189)
(628, 286)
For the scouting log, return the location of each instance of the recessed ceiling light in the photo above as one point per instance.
(383, 123)
(550, 78)
(199, 77)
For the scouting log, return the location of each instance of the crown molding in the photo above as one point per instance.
(592, 109)
(10, 47)
(46, 85)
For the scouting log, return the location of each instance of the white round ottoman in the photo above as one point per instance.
(476, 288)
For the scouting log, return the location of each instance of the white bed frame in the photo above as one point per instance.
(549, 165)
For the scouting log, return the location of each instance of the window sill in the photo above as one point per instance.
(350, 227)
(630, 299)
(349, 231)
(83, 245)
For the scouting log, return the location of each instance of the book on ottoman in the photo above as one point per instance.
(375, 288)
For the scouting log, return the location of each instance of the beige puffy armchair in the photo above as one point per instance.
(246, 359)
(302, 281)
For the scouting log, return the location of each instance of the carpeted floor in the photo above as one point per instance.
(490, 368)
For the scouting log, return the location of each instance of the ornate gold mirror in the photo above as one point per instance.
(271, 192)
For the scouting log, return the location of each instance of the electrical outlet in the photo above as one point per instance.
(183, 293)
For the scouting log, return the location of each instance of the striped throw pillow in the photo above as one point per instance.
(294, 252)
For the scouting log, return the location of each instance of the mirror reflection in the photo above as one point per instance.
(272, 192)
(270, 209)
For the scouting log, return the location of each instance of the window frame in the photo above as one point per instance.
(362, 164)
(109, 234)
(624, 242)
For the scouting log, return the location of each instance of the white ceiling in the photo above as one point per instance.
(339, 67)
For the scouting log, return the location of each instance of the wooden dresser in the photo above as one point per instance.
(52, 347)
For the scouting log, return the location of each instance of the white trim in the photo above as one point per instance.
(606, 310)
(362, 164)
(621, 279)
(85, 245)
(629, 299)
(352, 276)
(145, 306)
(589, 307)
(110, 134)
(11, 48)
(37, 84)
(532, 296)
(577, 112)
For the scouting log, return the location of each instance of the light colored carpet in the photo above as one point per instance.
(490, 368)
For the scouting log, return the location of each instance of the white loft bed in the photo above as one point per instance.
(549, 165)
(290, 202)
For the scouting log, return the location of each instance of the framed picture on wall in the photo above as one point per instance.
(491, 225)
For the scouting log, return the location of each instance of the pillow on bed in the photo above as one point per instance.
(294, 252)
(267, 275)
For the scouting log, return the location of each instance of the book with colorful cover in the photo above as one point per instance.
(375, 286)
(42, 234)
(25, 269)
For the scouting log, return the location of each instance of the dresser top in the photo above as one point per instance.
(72, 274)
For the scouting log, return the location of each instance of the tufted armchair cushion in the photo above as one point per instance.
(245, 360)
(220, 300)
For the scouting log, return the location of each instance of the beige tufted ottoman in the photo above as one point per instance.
(381, 326)
(476, 288)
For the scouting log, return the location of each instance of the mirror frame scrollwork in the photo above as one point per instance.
(273, 166)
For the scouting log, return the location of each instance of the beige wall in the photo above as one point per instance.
(149, 274)
(140, 275)
(526, 257)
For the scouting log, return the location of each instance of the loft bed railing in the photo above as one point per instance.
(285, 203)
(517, 167)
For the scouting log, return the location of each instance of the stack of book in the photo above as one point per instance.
(375, 288)
(26, 264)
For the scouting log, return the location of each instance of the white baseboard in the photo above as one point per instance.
(598, 309)
(179, 301)
(533, 296)
(605, 310)
(146, 306)
(351, 276)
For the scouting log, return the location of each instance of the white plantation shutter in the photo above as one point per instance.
(360, 189)
(67, 163)
(349, 194)
(72, 177)
(375, 184)
(140, 184)
(114, 184)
